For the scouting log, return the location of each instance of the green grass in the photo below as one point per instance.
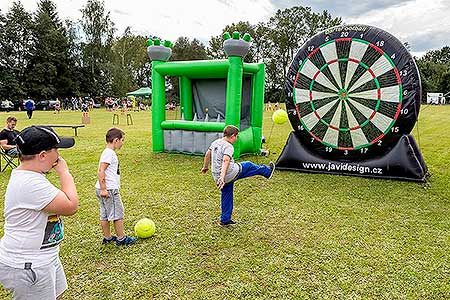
(300, 236)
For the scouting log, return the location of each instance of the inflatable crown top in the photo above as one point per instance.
(234, 45)
(159, 52)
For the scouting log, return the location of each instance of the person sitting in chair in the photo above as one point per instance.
(8, 136)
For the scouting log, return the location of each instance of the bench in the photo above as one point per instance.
(74, 127)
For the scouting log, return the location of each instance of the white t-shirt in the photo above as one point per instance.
(219, 148)
(112, 172)
(30, 234)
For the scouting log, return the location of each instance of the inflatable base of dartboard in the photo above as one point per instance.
(403, 162)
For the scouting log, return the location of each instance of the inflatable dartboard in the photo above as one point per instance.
(352, 92)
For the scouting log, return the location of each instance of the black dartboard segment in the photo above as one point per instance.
(352, 91)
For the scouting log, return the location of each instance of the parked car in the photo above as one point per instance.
(46, 105)
(6, 105)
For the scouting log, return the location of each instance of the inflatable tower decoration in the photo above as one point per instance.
(213, 94)
(353, 97)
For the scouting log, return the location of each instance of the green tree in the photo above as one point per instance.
(434, 69)
(184, 49)
(441, 56)
(121, 71)
(444, 83)
(99, 32)
(48, 74)
(131, 66)
(75, 57)
(15, 45)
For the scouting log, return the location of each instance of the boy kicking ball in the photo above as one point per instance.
(225, 171)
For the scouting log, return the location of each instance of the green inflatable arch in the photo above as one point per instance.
(189, 134)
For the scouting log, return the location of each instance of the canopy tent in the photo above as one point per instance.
(143, 91)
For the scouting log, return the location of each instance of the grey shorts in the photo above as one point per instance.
(46, 282)
(111, 208)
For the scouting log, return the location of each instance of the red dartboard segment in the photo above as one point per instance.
(377, 49)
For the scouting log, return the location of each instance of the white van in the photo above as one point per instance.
(435, 98)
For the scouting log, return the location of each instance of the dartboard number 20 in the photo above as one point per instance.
(350, 91)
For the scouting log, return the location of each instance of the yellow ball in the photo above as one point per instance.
(280, 116)
(144, 228)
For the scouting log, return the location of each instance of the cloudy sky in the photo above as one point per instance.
(425, 24)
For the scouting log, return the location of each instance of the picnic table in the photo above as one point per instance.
(74, 127)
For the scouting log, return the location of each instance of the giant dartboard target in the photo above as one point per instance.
(352, 92)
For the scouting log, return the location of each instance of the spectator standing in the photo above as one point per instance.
(29, 107)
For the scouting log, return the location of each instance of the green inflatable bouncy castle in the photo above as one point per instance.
(213, 94)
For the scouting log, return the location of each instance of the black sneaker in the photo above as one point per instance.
(113, 238)
(231, 222)
(272, 169)
(126, 240)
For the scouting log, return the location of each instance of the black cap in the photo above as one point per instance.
(34, 139)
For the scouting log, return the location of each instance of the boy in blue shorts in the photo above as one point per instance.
(225, 171)
(107, 190)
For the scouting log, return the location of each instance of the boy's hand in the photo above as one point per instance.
(104, 193)
(220, 183)
(205, 169)
(60, 166)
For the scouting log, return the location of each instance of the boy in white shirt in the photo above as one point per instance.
(107, 190)
(29, 249)
(225, 171)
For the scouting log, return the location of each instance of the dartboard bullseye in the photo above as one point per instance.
(352, 90)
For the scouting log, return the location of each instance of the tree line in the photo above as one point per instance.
(44, 57)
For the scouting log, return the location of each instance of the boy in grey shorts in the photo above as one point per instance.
(107, 190)
(29, 249)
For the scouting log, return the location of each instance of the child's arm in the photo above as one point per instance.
(223, 171)
(66, 201)
(206, 161)
(102, 179)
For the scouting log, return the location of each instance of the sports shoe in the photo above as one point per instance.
(231, 222)
(272, 169)
(113, 238)
(126, 240)
(265, 152)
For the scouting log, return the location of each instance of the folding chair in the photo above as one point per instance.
(9, 160)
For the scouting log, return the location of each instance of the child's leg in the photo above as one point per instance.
(250, 169)
(118, 228)
(227, 202)
(104, 208)
(117, 212)
(106, 230)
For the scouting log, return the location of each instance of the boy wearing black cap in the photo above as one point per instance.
(29, 249)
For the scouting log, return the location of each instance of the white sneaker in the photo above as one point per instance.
(272, 168)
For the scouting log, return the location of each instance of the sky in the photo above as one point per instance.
(424, 24)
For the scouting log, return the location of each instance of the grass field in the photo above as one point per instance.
(299, 236)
